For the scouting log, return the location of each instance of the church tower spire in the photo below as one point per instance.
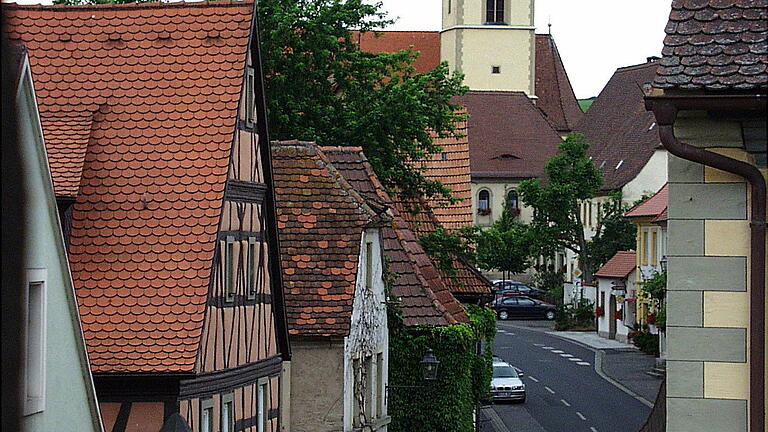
(492, 42)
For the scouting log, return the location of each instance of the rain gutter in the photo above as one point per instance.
(666, 108)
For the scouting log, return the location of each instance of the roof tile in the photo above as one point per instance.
(619, 266)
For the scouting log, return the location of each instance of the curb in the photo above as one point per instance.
(599, 354)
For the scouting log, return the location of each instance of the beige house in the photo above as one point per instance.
(712, 118)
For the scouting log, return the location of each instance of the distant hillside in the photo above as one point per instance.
(586, 103)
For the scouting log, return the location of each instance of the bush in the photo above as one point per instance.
(644, 340)
(575, 315)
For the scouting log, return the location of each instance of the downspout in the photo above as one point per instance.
(665, 109)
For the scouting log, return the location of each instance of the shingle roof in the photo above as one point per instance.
(451, 168)
(508, 136)
(623, 135)
(321, 219)
(715, 45)
(654, 206)
(426, 300)
(427, 43)
(553, 88)
(619, 266)
(143, 98)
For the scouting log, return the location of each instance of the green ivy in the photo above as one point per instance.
(464, 373)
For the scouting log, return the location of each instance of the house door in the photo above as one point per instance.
(612, 317)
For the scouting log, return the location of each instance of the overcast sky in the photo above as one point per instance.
(594, 37)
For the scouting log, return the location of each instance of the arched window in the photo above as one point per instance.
(494, 12)
(484, 200)
(512, 200)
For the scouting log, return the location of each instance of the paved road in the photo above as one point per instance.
(565, 394)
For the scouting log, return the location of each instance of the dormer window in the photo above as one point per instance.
(494, 12)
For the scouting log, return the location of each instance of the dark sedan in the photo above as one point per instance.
(523, 307)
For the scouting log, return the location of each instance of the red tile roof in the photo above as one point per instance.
(427, 43)
(321, 219)
(153, 90)
(619, 266)
(622, 133)
(553, 88)
(426, 300)
(715, 45)
(451, 168)
(655, 206)
(508, 136)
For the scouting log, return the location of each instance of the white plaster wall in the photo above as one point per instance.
(369, 312)
(498, 191)
(650, 179)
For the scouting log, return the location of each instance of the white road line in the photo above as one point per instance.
(533, 379)
(581, 416)
(575, 359)
(538, 345)
(558, 351)
(582, 363)
(510, 333)
(548, 347)
(566, 355)
(549, 390)
(593, 429)
(565, 402)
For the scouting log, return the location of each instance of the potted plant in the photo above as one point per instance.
(599, 312)
(484, 212)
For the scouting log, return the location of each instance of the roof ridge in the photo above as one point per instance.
(637, 66)
(119, 6)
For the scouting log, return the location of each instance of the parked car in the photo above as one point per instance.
(523, 307)
(506, 383)
(510, 287)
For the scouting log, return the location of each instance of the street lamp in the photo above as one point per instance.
(663, 262)
(429, 366)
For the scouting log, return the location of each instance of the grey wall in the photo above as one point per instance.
(317, 386)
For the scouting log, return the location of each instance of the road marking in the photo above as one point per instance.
(533, 379)
(592, 428)
(548, 347)
(549, 390)
(538, 345)
(574, 359)
(581, 416)
(565, 402)
(510, 333)
(558, 351)
(566, 355)
(582, 363)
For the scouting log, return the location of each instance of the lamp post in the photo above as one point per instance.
(429, 364)
(663, 263)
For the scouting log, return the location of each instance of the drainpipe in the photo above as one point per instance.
(665, 108)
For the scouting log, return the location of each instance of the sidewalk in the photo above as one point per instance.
(592, 340)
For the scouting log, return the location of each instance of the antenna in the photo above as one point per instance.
(549, 24)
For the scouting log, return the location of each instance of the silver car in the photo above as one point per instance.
(506, 383)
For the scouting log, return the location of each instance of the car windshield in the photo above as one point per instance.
(504, 372)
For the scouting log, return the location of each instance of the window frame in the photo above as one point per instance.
(227, 400)
(495, 12)
(250, 97)
(229, 269)
(251, 268)
(35, 333)
(206, 405)
(262, 413)
(480, 199)
(507, 201)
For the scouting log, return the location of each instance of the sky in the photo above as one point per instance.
(594, 37)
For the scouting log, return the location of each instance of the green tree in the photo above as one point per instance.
(321, 87)
(444, 246)
(571, 178)
(613, 233)
(506, 246)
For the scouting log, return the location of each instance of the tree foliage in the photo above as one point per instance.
(613, 233)
(321, 87)
(506, 246)
(571, 178)
(443, 246)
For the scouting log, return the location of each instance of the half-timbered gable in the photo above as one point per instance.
(153, 116)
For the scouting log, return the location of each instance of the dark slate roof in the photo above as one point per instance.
(553, 88)
(426, 298)
(320, 219)
(623, 134)
(508, 136)
(715, 45)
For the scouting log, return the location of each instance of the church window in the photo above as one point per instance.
(494, 12)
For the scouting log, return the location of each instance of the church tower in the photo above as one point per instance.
(492, 42)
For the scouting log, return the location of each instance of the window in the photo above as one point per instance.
(513, 203)
(261, 406)
(444, 156)
(250, 97)
(356, 397)
(510, 301)
(251, 266)
(449, 6)
(380, 385)
(369, 265)
(494, 12)
(229, 269)
(484, 200)
(368, 391)
(525, 302)
(206, 415)
(495, 69)
(34, 341)
(589, 212)
(227, 415)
